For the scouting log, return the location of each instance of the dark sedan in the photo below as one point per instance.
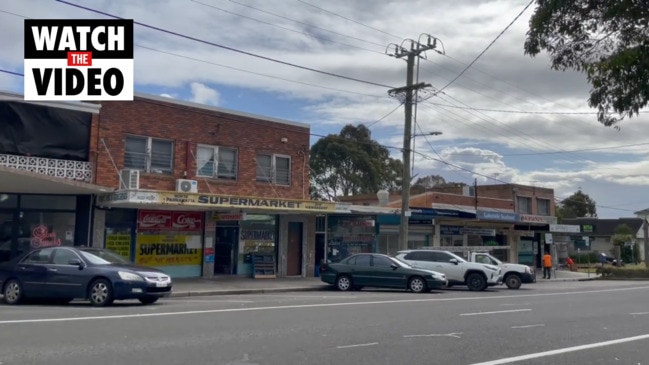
(376, 270)
(67, 273)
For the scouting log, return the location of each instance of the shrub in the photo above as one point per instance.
(623, 272)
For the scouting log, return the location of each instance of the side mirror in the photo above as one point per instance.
(76, 262)
(394, 266)
(454, 261)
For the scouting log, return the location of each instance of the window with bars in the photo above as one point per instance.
(274, 168)
(148, 154)
(542, 206)
(218, 162)
(524, 205)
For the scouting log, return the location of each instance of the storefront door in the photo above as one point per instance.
(225, 247)
(7, 235)
(294, 255)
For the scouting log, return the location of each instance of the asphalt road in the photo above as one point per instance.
(558, 323)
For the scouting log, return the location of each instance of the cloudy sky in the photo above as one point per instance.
(509, 118)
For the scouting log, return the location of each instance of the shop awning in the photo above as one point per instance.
(17, 181)
(166, 200)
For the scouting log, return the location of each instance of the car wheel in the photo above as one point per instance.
(100, 293)
(13, 292)
(476, 282)
(344, 283)
(513, 281)
(417, 284)
(148, 300)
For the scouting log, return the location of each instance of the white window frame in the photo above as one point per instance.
(148, 157)
(528, 201)
(547, 202)
(273, 169)
(215, 151)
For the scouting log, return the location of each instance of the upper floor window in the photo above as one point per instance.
(148, 154)
(524, 205)
(219, 162)
(543, 206)
(274, 168)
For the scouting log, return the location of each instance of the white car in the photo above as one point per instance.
(475, 276)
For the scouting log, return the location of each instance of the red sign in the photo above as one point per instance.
(163, 220)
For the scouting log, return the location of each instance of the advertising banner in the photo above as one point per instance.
(162, 220)
(120, 243)
(168, 250)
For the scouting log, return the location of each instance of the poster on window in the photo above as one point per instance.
(257, 240)
(120, 243)
(167, 250)
(162, 220)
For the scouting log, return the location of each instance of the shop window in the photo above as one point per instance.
(274, 168)
(349, 235)
(8, 200)
(46, 229)
(48, 202)
(148, 154)
(543, 206)
(524, 205)
(218, 162)
(257, 234)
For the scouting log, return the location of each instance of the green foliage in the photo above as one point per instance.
(607, 40)
(576, 206)
(426, 183)
(351, 163)
(613, 272)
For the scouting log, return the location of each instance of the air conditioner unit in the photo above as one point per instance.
(130, 179)
(186, 186)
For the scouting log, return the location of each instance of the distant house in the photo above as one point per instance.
(601, 232)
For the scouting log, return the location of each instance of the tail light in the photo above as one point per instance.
(324, 267)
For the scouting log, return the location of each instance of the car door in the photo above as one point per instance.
(384, 274)
(65, 280)
(443, 263)
(361, 270)
(32, 273)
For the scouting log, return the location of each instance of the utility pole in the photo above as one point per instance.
(416, 48)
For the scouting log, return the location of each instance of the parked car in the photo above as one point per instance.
(381, 271)
(66, 273)
(458, 271)
(513, 274)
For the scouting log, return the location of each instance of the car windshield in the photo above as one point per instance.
(93, 259)
(108, 255)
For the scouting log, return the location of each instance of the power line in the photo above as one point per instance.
(385, 116)
(308, 24)
(349, 19)
(12, 73)
(227, 47)
(284, 28)
(488, 46)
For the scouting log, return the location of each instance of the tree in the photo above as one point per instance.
(607, 40)
(576, 206)
(351, 163)
(426, 183)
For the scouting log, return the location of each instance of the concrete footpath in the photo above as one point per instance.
(242, 285)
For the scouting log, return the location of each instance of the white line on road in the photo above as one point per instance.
(452, 334)
(303, 306)
(359, 345)
(211, 301)
(495, 312)
(530, 326)
(510, 360)
(639, 313)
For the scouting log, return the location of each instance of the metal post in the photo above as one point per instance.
(645, 239)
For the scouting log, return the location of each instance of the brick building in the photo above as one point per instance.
(508, 219)
(191, 189)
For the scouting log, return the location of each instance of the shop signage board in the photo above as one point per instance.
(209, 201)
(542, 219)
(167, 250)
(496, 215)
(120, 243)
(565, 228)
(162, 220)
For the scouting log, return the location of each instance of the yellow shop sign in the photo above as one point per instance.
(168, 250)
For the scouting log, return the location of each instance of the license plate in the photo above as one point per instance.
(161, 285)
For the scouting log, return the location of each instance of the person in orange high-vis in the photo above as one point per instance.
(547, 265)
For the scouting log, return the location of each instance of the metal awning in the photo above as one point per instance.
(18, 181)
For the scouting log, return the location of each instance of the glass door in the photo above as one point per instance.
(7, 236)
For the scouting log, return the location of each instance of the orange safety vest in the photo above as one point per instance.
(547, 260)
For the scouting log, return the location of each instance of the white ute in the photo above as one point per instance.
(476, 277)
(513, 274)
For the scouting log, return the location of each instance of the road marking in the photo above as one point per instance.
(211, 301)
(536, 355)
(452, 334)
(515, 304)
(639, 313)
(359, 345)
(302, 306)
(530, 326)
(495, 312)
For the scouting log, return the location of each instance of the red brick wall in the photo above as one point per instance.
(188, 126)
(428, 199)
